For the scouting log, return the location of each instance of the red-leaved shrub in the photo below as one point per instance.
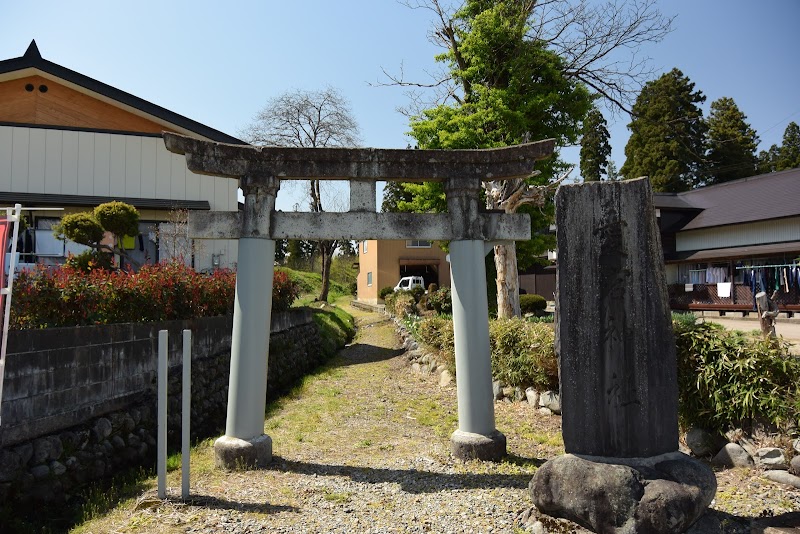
(66, 296)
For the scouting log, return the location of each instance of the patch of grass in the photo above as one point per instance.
(428, 412)
(102, 498)
(173, 462)
(337, 326)
(336, 497)
(311, 283)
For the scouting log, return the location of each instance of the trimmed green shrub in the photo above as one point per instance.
(523, 354)
(534, 304)
(401, 303)
(437, 332)
(441, 300)
(417, 292)
(89, 260)
(388, 290)
(728, 379)
(118, 218)
(81, 227)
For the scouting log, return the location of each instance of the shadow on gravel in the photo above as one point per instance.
(207, 501)
(359, 353)
(410, 480)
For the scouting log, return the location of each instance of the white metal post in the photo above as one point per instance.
(186, 401)
(161, 460)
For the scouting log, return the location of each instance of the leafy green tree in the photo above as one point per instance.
(519, 70)
(595, 148)
(732, 143)
(300, 254)
(511, 89)
(667, 141)
(789, 153)
(89, 228)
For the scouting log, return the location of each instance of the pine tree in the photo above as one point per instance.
(595, 148)
(732, 143)
(789, 154)
(667, 140)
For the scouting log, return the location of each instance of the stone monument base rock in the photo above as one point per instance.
(661, 494)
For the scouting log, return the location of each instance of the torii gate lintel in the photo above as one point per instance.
(466, 225)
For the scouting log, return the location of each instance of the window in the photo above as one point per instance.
(416, 243)
(369, 276)
(364, 247)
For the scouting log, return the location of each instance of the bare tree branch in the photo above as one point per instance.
(307, 119)
(598, 41)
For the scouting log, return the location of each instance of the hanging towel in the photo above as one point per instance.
(688, 288)
(129, 242)
(724, 290)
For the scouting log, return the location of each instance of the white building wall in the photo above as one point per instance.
(740, 235)
(63, 162)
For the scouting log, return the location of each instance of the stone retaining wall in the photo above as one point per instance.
(79, 403)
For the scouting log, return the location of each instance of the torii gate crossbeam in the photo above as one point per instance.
(259, 171)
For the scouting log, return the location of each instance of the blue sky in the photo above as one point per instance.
(218, 63)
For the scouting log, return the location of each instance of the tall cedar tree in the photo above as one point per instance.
(393, 194)
(768, 159)
(789, 153)
(512, 89)
(595, 148)
(308, 119)
(732, 143)
(667, 141)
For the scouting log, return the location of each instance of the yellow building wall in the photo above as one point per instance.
(383, 259)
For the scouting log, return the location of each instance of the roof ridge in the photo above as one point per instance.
(33, 51)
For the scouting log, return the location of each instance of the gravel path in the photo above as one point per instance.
(363, 447)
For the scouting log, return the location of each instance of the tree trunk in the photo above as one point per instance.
(326, 250)
(505, 262)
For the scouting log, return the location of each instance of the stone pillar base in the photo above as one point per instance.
(469, 446)
(662, 494)
(234, 453)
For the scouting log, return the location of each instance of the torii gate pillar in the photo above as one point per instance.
(244, 443)
(476, 436)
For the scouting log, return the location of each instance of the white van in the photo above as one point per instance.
(410, 282)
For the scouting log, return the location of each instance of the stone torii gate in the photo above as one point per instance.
(469, 229)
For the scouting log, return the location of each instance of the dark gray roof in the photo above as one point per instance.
(751, 251)
(671, 201)
(33, 59)
(767, 196)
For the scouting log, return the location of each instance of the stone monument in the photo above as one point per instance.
(619, 395)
